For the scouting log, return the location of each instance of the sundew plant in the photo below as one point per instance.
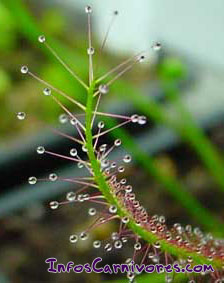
(153, 240)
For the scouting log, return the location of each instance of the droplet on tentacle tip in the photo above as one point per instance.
(134, 118)
(108, 247)
(101, 125)
(127, 158)
(53, 177)
(156, 46)
(112, 209)
(73, 152)
(70, 196)
(41, 38)
(118, 244)
(141, 59)
(83, 236)
(40, 150)
(32, 180)
(24, 70)
(142, 120)
(117, 142)
(88, 9)
(137, 246)
(97, 244)
(80, 165)
(54, 204)
(90, 51)
(92, 211)
(74, 121)
(73, 238)
(103, 89)
(47, 91)
(21, 115)
(63, 118)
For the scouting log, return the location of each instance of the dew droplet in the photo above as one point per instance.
(41, 39)
(74, 121)
(63, 118)
(137, 246)
(156, 46)
(142, 120)
(47, 91)
(103, 89)
(101, 125)
(128, 189)
(112, 209)
(108, 247)
(32, 180)
(113, 165)
(134, 118)
(97, 244)
(54, 204)
(92, 211)
(90, 51)
(73, 238)
(114, 236)
(70, 196)
(118, 244)
(73, 152)
(80, 165)
(141, 58)
(88, 9)
(83, 236)
(127, 158)
(40, 150)
(120, 169)
(24, 70)
(84, 149)
(117, 142)
(21, 115)
(53, 177)
(125, 219)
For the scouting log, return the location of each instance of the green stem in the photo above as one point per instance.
(148, 236)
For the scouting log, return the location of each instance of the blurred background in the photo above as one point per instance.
(178, 162)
